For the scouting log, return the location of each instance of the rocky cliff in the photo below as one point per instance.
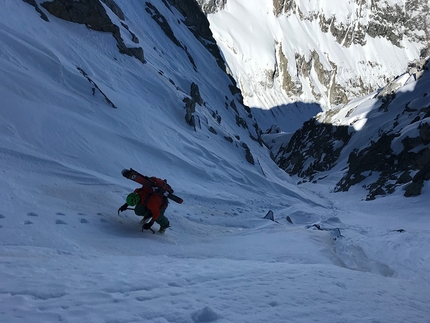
(381, 142)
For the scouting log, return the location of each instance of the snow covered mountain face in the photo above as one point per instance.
(328, 53)
(319, 50)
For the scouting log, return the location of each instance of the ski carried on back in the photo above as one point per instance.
(151, 182)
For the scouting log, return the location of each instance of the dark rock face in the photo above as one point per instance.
(88, 12)
(190, 104)
(162, 22)
(94, 16)
(314, 148)
(194, 17)
(195, 93)
(398, 154)
(378, 157)
(248, 154)
(115, 8)
(34, 4)
(198, 24)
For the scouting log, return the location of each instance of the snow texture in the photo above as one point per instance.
(65, 254)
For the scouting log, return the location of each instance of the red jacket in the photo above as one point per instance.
(153, 201)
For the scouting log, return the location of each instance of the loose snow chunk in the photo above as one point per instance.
(338, 144)
(359, 124)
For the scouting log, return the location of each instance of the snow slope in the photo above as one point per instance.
(65, 254)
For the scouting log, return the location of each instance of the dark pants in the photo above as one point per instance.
(142, 210)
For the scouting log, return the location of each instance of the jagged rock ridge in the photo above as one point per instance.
(92, 14)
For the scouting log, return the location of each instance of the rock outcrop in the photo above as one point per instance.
(35, 5)
(92, 14)
(196, 21)
(313, 148)
(390, 150)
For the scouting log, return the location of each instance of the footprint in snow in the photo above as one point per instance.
(174, 284)
(59, 213)
(84, 220)
(2, 216)
(60, 222)
(206, 314)
(32, 214)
